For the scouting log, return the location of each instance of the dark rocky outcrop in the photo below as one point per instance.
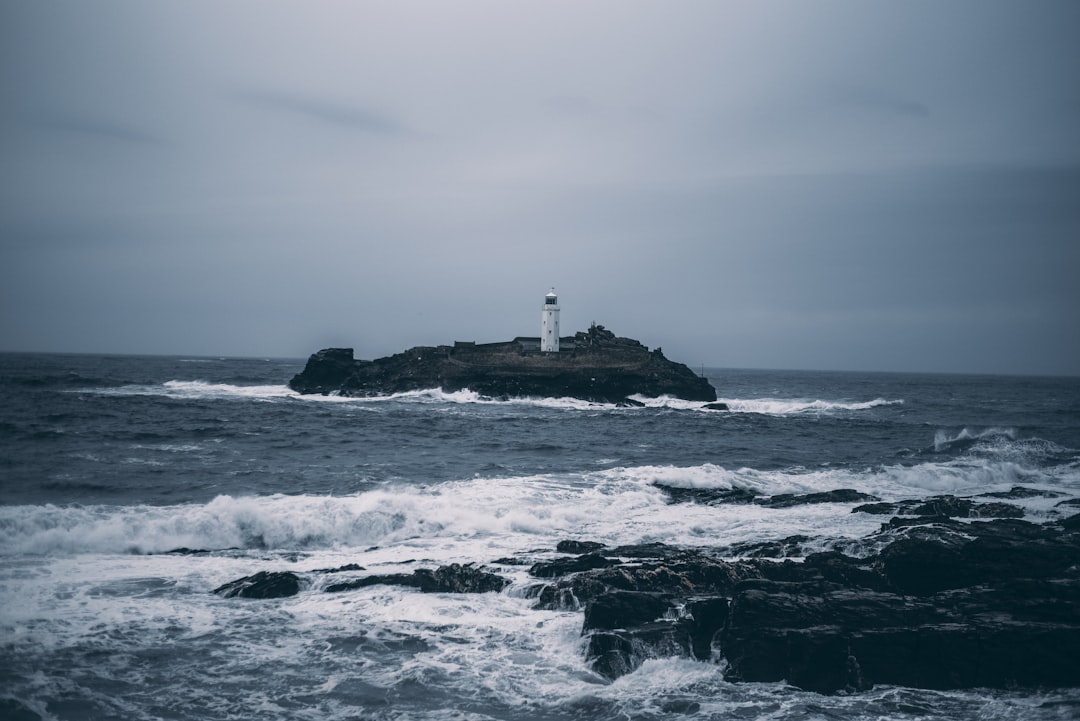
(594, 365)
(454, 578)
(945, 506)
(943, 604)
(1019, 492)
(720, 496)
(789, 500)
(578, 547)
(265, 584)
(707, 496)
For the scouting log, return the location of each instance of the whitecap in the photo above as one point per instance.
(795, 406)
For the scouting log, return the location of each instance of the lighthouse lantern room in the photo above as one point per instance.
(549, 323)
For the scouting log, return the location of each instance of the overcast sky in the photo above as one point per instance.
(821, 185)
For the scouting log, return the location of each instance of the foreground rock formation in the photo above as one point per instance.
(925, 601)
(594, 366)
(941, 604)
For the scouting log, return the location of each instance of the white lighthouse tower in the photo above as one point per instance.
(549, 323)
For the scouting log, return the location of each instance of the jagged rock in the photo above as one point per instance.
(783, 548)
(595, 366)
(1018, 492)
(614, 654)
(944, 506)
(571, 546)
(341, 569)
(841, 495)
(830, 639)
(454, 578)
(265, 584)
(624, 609)
(944, 604)
(326, 370)
(707, 496)
(567, 565)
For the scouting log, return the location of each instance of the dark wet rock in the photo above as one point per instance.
(707, 496)
(341, 569)
(829, 639)
(721, 496)
(878, 509)
(650, 568)
(1019, 492)
(579, 547)
(571, 564)
(617, 653)
(944, 506)
(942, 604)
(265, 584)
(185, 551)
(704, 618)
(782, 548)
(716, 407)
(326, 371)
(626, 628)
(594, 365)
(844, 570)
(1068, 502)
(656, 551)
(624, 609)
(454, 578)
(841, 495)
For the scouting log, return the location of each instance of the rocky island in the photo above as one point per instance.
(593, 365)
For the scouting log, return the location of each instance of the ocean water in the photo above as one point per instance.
(110, 464)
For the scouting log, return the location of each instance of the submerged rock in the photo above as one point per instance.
(265, 584)
(454, 578)
(594, 366)
(947, 507)
(840, 495)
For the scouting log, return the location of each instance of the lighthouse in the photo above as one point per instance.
(549, 323)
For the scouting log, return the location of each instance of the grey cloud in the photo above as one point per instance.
(340, 114)
(92, 127)
(855, 185)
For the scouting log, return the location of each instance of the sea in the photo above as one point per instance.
(132, 487)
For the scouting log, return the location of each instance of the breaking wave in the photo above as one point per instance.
(785, 406)
(621, 505)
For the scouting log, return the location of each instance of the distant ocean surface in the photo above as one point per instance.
(109, 464)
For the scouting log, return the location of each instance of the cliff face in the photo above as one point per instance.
(594, 365)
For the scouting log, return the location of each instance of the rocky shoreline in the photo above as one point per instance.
(927, 600)
(593, 365)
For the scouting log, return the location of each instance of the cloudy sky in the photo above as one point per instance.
(835, 185)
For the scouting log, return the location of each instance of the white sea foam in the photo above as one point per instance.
(943, 440)
(490, 517)
(194, 389)
(793, 406)
(199, 389)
